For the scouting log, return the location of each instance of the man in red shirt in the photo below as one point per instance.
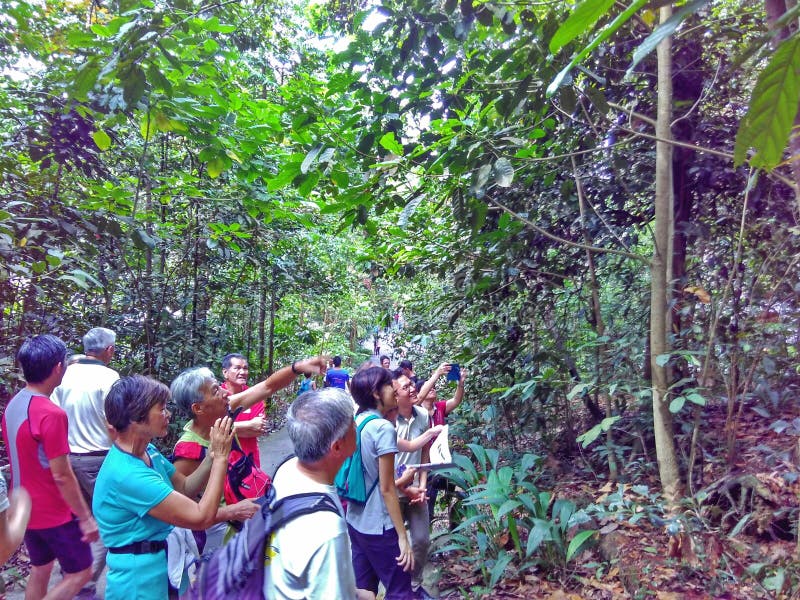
(61, 525)
(251, 422)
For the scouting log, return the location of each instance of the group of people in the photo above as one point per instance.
(79, 440)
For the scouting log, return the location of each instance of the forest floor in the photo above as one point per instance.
(738, 542)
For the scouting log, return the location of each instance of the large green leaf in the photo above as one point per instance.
(773, 107)
(664, 30)
(581, 20)
(604, 34)
(576, 544)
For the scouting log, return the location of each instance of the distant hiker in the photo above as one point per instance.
(337, 377)
(385, 362)
(140, 496)
(308, 384)
(413, 424)
(61, 525)
(251, 422)
(306, 554)
(81, 394)
(376, 340)
(379, 540)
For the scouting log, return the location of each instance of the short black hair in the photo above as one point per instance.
(226, 360)
(367, 381)
(131, 398)
(337, 361)
(383, 356)
(405, 364)
(39, 355)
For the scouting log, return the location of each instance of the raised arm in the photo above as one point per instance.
(443, 369)
(453, 403)
(180, 510)
(277, 381)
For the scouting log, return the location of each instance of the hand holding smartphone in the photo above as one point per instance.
(454, 374)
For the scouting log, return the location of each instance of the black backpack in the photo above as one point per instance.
(237, 569)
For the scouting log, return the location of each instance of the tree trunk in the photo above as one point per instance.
(660, 276)
(262, 319)
(273, 306)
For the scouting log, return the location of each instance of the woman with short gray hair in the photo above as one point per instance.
(139, 496)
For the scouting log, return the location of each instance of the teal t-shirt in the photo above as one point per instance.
(125, 491)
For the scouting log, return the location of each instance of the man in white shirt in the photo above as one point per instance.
(82, 395)
(310, 555)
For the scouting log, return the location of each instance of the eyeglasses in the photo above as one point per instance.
(407, 387)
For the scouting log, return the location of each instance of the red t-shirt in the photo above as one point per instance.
(249, 444)
(439, 414)
(35, 432)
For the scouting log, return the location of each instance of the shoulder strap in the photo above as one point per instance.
(361, 425)
(289, 508)
(366, 420)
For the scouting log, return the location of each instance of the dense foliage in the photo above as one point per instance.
(277, 178)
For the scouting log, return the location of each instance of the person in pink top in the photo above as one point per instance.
(429, 400)
(61, 525)
(438, 411)
(252, 421)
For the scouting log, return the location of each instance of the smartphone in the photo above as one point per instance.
(454, 374)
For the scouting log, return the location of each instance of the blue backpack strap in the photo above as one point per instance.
(358, 449)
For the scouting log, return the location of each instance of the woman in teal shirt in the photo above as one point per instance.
(139, 496)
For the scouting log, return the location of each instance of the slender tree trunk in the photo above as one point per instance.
(273, 306)
(262, 319)
(660, 276)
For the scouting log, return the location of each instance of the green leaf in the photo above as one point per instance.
(102, 139)
(215, 167)
(773, 107)
(662, 359)
(499, 568)
(85, 80)
(309, 159)
(577, 389)
(580, 21)
(503, 172)
(389, 142)
(133, 84)
(577, 543)
(664, 30)
(604, 34)
(696, 398)
(677, 404)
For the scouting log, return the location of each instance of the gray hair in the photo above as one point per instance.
(186, 388)
(316, 419)
(98, 339)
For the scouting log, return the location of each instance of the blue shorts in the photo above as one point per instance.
(62, 543)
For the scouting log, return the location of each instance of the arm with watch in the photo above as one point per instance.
(277, 381)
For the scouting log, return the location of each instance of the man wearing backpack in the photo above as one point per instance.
(306, 554)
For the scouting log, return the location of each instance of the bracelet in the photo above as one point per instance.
(294, 368)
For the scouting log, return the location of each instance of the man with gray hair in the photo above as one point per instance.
(306, 553)
(82, 394)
